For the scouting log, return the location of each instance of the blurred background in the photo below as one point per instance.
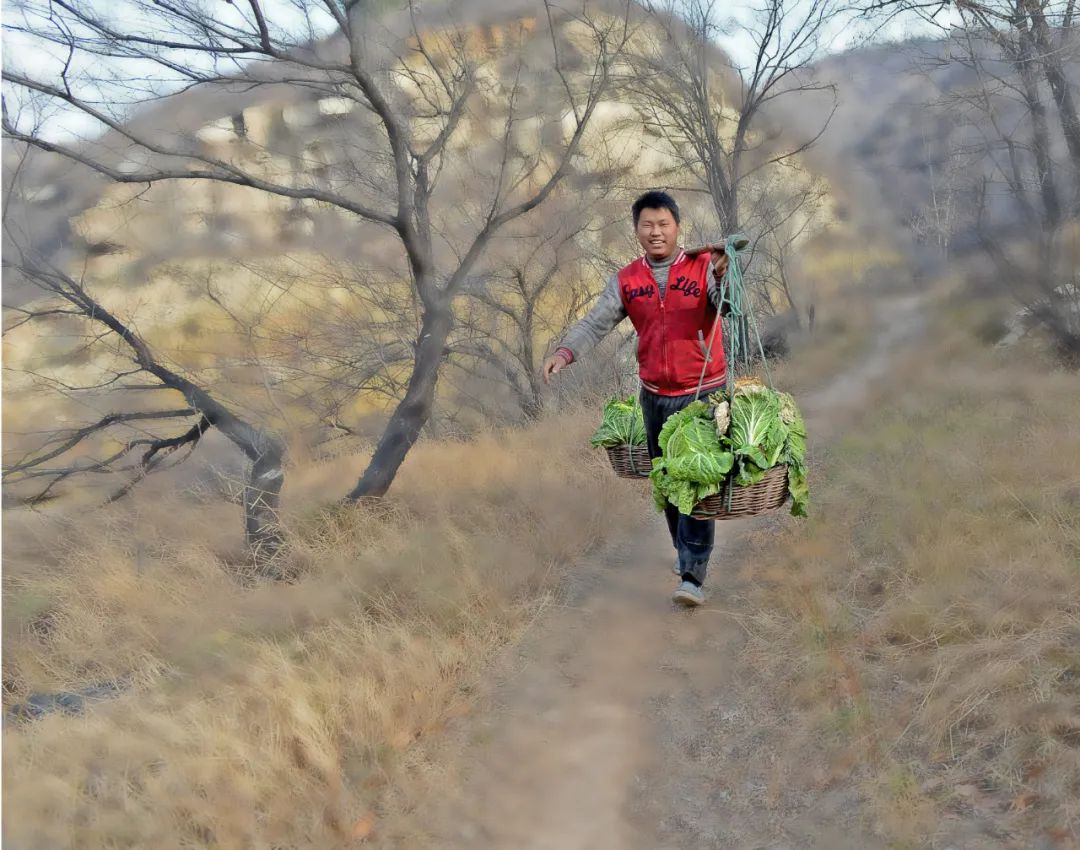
(283, 487)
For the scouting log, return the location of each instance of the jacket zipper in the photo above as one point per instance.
(664, 340)
(663, 325)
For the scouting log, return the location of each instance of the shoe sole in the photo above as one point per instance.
(687, 599)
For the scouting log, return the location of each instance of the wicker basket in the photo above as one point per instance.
(630, 461)
(767, 495)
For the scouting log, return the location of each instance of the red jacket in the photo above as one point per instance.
(670, 351)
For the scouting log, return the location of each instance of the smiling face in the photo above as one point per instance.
(657, 232)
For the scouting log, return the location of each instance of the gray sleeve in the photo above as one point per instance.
(601, 320)
(716, 295)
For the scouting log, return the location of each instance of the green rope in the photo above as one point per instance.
(734, 305)
(736, 328)
(740, 318)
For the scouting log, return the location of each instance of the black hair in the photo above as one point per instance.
(655, 201)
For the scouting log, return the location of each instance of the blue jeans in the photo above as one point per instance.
(692, 538)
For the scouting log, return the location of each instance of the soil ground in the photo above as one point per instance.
(623, 722)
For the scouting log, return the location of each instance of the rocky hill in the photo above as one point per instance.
(907, 134)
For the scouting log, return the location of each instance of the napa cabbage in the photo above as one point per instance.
(693, 462)
(794, 454)
(622, 424)
(757, 434)
(731, 437)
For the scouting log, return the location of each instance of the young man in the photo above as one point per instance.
(672, 299)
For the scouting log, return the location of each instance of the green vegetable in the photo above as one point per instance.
(757, 433)
(623, 424)
(795, 455)
(731, 437)
(694, 463)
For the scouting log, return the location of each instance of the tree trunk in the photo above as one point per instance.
(793, 308)
(725, 201)
(533, 403)
(262, 492)
(1050, 61)
(262, 531)
(1044, 163)
(534, 406)
(415, 408)
(265, 451)
(731, 210)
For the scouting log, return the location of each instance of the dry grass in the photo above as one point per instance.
(268, 715)
(264, 715)
(841, 337)
(926, 619)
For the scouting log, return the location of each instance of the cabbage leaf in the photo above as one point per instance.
(693, 463)
(622, 424)
(795, 455)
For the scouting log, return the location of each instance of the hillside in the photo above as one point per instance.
(905, 130)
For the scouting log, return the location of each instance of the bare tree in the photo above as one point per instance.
(790, 213)
(421, 100)
(713, 110)
(721, 117)
(949, 161)
(1020, 115)
(1011, 30)
(335, 335)
(1039, 43)
(57, 458)
(519, 307)
(1037, 38)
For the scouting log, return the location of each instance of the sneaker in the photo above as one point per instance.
(688, 594)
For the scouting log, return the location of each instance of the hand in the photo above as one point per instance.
(553, 365)
(720, 267)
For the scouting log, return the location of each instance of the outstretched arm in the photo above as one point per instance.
(584, 336)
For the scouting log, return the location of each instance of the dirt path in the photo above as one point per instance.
(623, 723)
